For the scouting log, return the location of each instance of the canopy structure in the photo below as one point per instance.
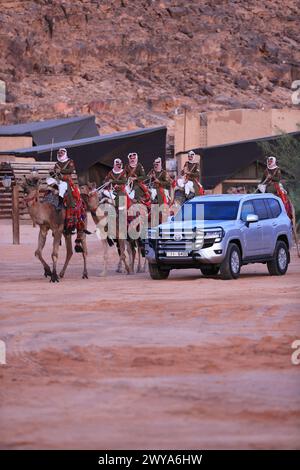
(221, 162)
(54, 130)
(149, 143)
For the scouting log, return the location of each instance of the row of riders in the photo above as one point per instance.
(63, 208)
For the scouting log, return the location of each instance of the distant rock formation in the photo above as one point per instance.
(133, 63)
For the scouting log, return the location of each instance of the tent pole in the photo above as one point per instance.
(15, 215)
(52, 141)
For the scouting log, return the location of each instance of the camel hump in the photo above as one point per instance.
(52, 199)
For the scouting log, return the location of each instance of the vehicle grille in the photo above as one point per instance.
(167, 241)
(187, 234)
(172, 245)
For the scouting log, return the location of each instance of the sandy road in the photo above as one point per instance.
(126, 362)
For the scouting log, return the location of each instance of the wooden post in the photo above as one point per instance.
(15, 215)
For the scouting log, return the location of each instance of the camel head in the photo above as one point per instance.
(30, 184)
(90, 195)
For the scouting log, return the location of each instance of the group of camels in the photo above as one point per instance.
(48, 218)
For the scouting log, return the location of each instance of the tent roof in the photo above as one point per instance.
(221, 162)
(149, 143)
(42, 132)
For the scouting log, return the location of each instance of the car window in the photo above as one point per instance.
(274, 207)
(208, 210)
(260, 209)
(247, 208)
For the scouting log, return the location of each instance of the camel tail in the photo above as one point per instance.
(294, 227)
(296, 241)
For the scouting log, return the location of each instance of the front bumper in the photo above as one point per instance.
(211, 255)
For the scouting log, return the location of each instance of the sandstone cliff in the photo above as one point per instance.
(134, 62)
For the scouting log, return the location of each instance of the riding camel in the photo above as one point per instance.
(48, 218)
(98, 208)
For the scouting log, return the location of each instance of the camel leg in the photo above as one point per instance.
(119, 267)
(69, 249)
(296, 240)
(38, 253)
(131, 249)
(139, 254)
(56, 242)
(142, 261)
(123, 256)
(105, 258)
(144, 267)
(84, 256)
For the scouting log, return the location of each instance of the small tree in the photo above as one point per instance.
(287, 151)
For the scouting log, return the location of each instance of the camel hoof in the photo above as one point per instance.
(54, 278)
(85, 276)
(61, 274)
(47, 273)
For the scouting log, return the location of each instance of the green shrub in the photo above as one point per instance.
(287, 151)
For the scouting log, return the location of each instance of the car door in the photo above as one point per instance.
(275, 222)
(261, 210)
(252, 233)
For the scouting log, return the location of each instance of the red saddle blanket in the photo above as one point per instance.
(75, 212)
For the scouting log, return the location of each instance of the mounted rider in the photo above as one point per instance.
(116, 180)
(160, 182)
(69, 194)
(271, 183)
(136, 176)
(191, 177)
(271, 177)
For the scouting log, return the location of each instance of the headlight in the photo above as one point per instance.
(217, 235)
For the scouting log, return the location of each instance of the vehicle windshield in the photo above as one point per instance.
(208, 210)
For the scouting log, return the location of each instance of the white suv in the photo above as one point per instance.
(220, 233)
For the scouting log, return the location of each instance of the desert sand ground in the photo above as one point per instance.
(130, 363)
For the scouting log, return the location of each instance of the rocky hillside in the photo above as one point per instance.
(134, 63)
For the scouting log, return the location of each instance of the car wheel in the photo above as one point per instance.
(279, 265)
(157, 273)
(231, 265)
(210, 269)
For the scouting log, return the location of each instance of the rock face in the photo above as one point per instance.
(133, 63)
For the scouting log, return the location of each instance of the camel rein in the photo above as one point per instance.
(29, 199)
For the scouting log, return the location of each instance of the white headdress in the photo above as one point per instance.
(271, 162)
(62, 155)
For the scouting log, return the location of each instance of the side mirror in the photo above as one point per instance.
(251, 218)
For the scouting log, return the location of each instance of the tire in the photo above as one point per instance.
(231, 265)
(157, 273)
(279, 265)
(209, 269)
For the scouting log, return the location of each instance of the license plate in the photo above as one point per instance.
(177, 253)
